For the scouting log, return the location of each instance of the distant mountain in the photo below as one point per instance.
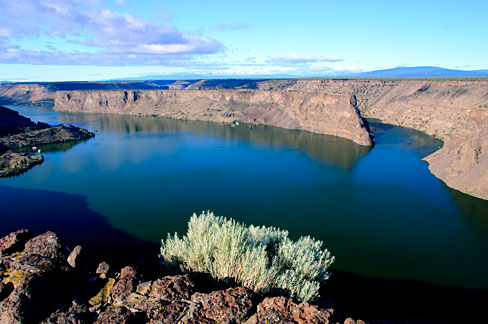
(419, 72)
(398, 72)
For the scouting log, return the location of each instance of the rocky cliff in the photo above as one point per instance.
(40, 282)
(454, 111)
(26, 94)
(319, 113)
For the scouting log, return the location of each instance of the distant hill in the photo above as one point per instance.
(13, 123)
(419, 72)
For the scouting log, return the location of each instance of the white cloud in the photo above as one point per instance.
(114, 36)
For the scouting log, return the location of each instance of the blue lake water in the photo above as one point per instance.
(380, 211)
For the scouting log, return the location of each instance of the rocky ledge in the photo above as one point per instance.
(17, 132)
(41, 281)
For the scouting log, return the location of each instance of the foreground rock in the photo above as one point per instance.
(41, 282)
(20, 132)
(284, 310)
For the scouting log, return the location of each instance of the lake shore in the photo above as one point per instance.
(20, 133)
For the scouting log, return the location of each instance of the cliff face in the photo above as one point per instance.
(26, 93)
(318, 113)
(457, 113)
(454, 111)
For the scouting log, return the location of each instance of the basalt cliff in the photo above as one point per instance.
(455, 111)
(319, 113)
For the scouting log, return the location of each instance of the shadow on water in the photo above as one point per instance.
(474, 210)
(377, 300)
(325, 148)
(68, 215)
(371, 299)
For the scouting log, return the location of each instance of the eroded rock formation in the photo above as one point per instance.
(454, 111)
(318, 113)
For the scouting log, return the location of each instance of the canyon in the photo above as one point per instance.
(319, 113)
(455, 111)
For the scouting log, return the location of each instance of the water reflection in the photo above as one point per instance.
(325, 148)
(380, 211)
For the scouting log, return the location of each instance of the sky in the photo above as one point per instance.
(70, 40)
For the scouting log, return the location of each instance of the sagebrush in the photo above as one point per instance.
(261, 258)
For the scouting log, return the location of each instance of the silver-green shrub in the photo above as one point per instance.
(261, 258)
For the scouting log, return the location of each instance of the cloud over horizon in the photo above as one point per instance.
(107, 37)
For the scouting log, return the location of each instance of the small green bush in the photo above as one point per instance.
(261, 258)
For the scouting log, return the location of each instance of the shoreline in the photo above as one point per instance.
(21, 133)
(453, 109)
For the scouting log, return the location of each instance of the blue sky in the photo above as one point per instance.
(53, 40)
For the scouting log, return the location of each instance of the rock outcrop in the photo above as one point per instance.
(34, 94)
(454, 111)
(38, 284)
(318, 113)
(18, 131)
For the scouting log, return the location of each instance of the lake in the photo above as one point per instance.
(379, 211)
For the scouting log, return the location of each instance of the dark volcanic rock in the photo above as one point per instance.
(15, 241)
(176, 312)
(48, 245)
(103, 269)
(232, 305)
(5, 290)
(121, 315)
(39, 276)
(78, 313)
(283, 310)
(172, 288)
(351, 321)
(125, 286)
(73, 256)
(33, 299)
(33, 264)
(39, 285)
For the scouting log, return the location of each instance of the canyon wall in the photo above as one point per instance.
(454, 111)
(319, 113)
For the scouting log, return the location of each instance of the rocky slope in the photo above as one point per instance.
(457, 113)
(20, 132)
(318, 113)
(26, 94)
(454, 111)
(42, 282)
